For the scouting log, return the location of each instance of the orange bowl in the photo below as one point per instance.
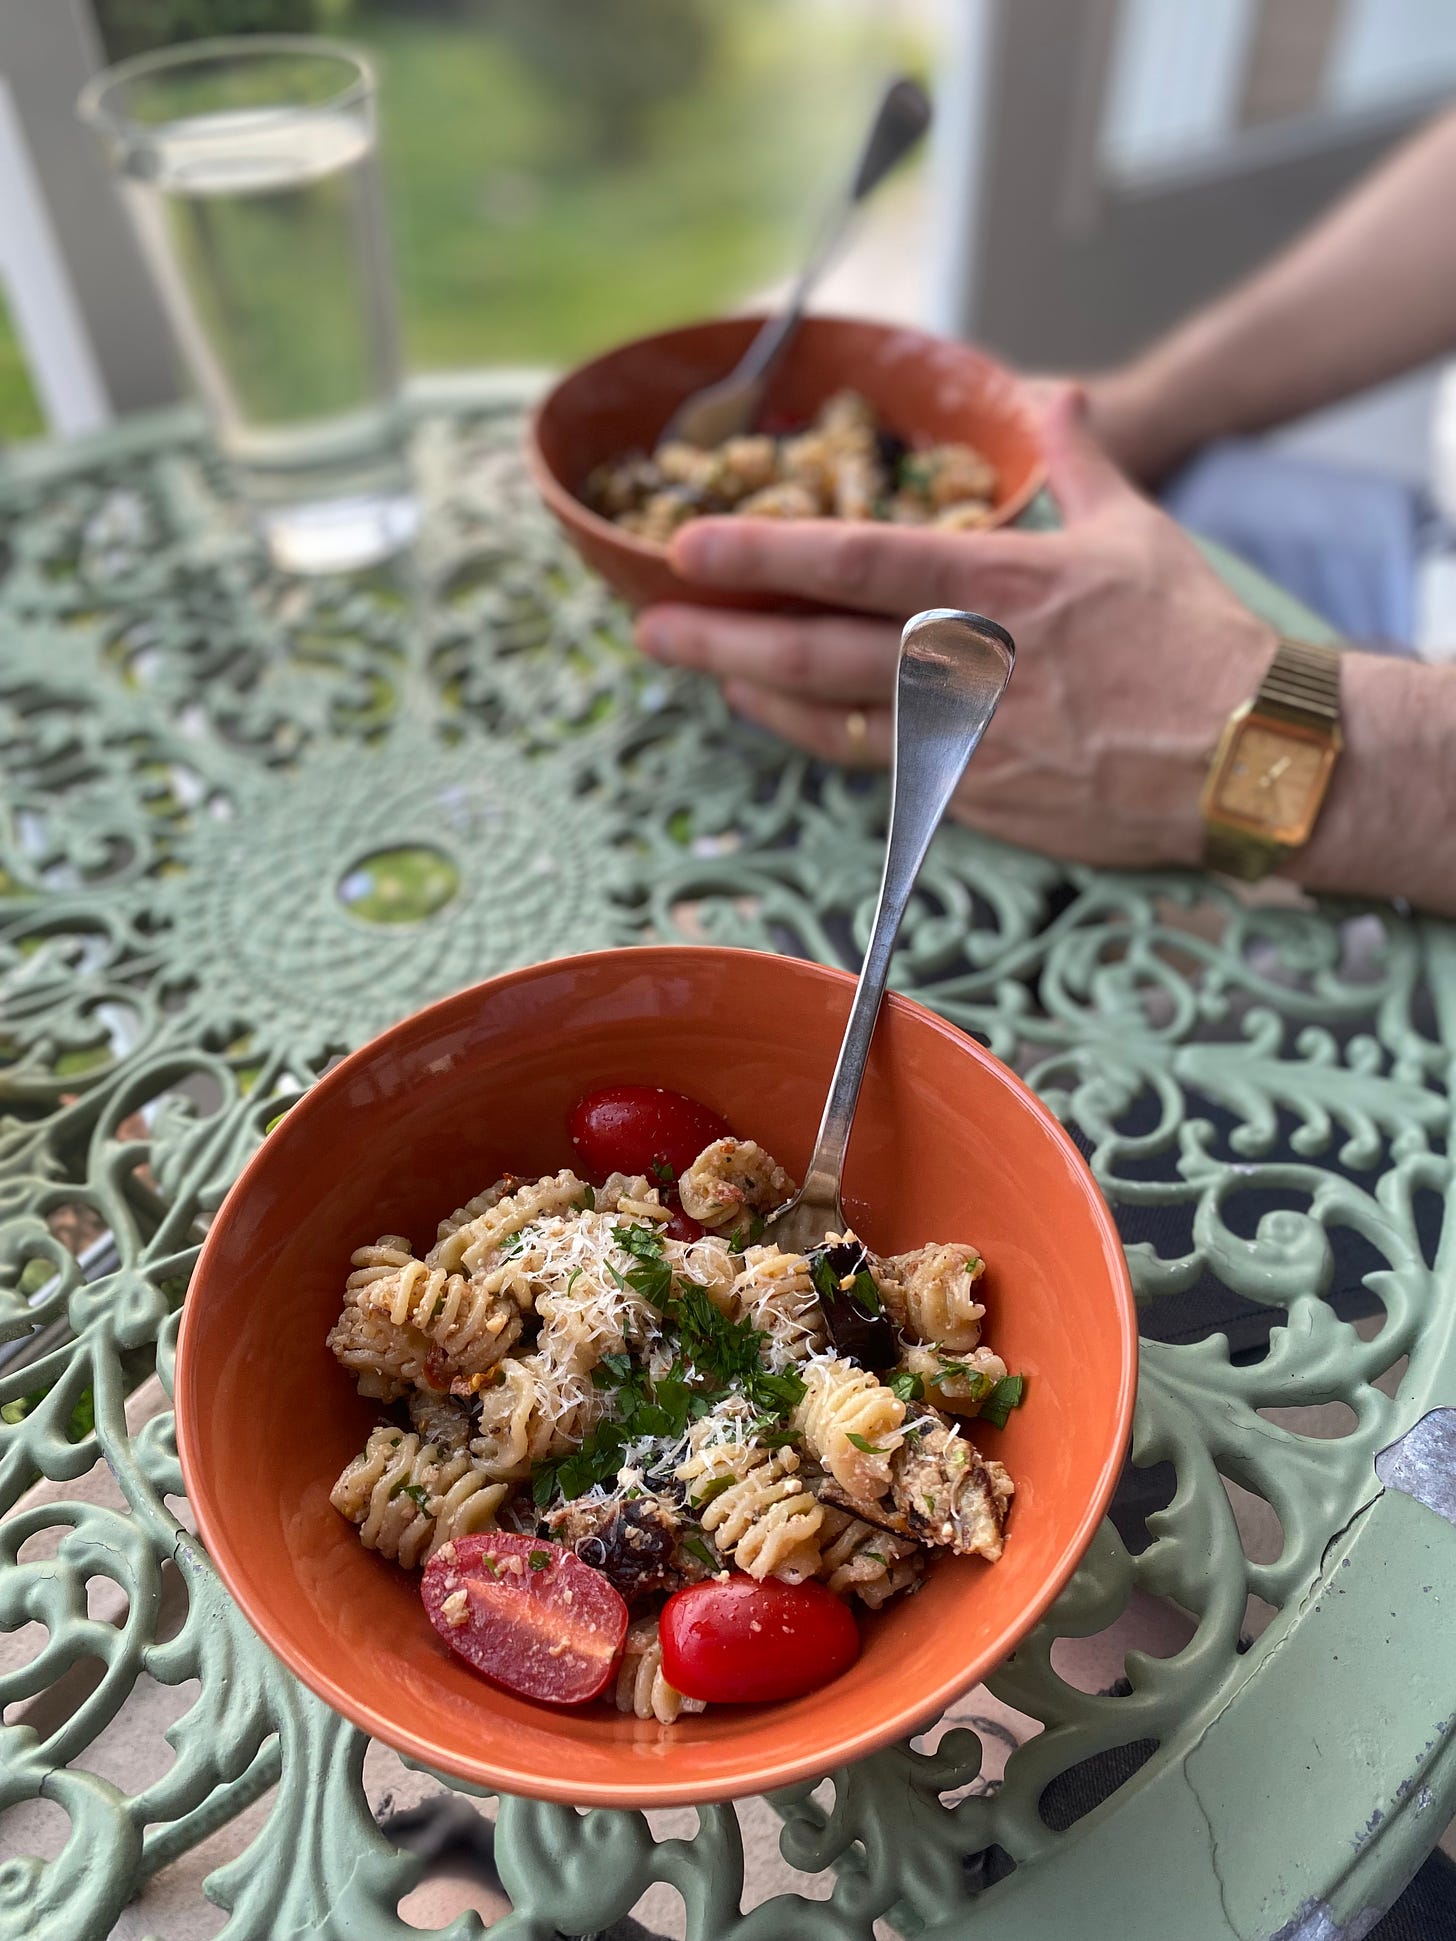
(948, 1144)
(926, 389)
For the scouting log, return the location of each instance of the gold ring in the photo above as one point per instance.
(858, 729)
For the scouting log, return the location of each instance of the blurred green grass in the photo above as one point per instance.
(511, 249)
(20, 412)
(512, 246)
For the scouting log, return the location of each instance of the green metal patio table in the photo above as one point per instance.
(246, 821)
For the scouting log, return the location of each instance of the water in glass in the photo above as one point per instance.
(264, 228)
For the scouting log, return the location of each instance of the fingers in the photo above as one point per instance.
(831, 658)
(859, 738)
(895, 570)
(1083, 479)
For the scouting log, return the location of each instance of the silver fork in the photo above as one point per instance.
(724, 409)
(953, 670)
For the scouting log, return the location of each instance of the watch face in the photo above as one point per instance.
(1273, 779)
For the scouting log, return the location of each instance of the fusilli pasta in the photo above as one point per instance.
(850, 1422)
(641, 1687)
(872, 1563)
(472, 1209)
(409, 1497)
(470, 1246)
(533, 1410)
(774, 1291)
(470, 1323)
(386, 1358)
(752, 1501)
(730, 1180)
(708, 1263)
(931, 1292)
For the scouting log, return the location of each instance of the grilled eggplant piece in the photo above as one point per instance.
(950, 1495)
(850, 1298)
(441, 1419)
(943, 1492)
(883, 1514)
(633, 1541)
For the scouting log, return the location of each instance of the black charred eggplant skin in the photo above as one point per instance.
(632, 1540)
(858, 1326)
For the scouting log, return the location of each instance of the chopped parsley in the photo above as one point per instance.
(652, 1277)
(866, 1292)
(712, 1490)
(714, 1356)
(863, 1288)
(696, 1547)
(769, 1435)
(585, 1201)
(415, 1490)
(860, 1442)
(645, 1407)
(906, 1387)
(979, 1386)
(727, 1353)
(597, 1460)
(612, 1371)
(539, 1559)
(1007, 1395)
(826, 1281)
(514, 1244)
(640, 1239)
(747, 1236)
(488, 1563)
(662, 1172)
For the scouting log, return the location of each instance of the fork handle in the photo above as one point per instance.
(953, 669)
(900, 120)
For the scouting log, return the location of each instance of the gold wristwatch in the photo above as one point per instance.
(1273, 764)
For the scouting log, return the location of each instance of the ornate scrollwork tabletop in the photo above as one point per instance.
(245, 821)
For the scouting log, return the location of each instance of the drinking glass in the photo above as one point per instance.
(250, 166)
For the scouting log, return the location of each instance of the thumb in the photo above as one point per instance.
(1081, 476)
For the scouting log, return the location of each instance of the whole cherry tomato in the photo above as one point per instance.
(642, 1129)
(745, 1642)
(526, 1612)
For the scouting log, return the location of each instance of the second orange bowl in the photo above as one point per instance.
(928, 390)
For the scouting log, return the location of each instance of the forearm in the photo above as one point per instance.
(1367, 293)
(1388, 827)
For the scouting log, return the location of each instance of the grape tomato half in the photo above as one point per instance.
(527, 1613)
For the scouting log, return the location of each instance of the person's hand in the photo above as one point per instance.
(1131, 653)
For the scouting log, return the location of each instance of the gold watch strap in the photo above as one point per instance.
(1237, 852)
(1300, 685)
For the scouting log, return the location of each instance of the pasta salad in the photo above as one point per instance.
(844, 465)
(621, 1429)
